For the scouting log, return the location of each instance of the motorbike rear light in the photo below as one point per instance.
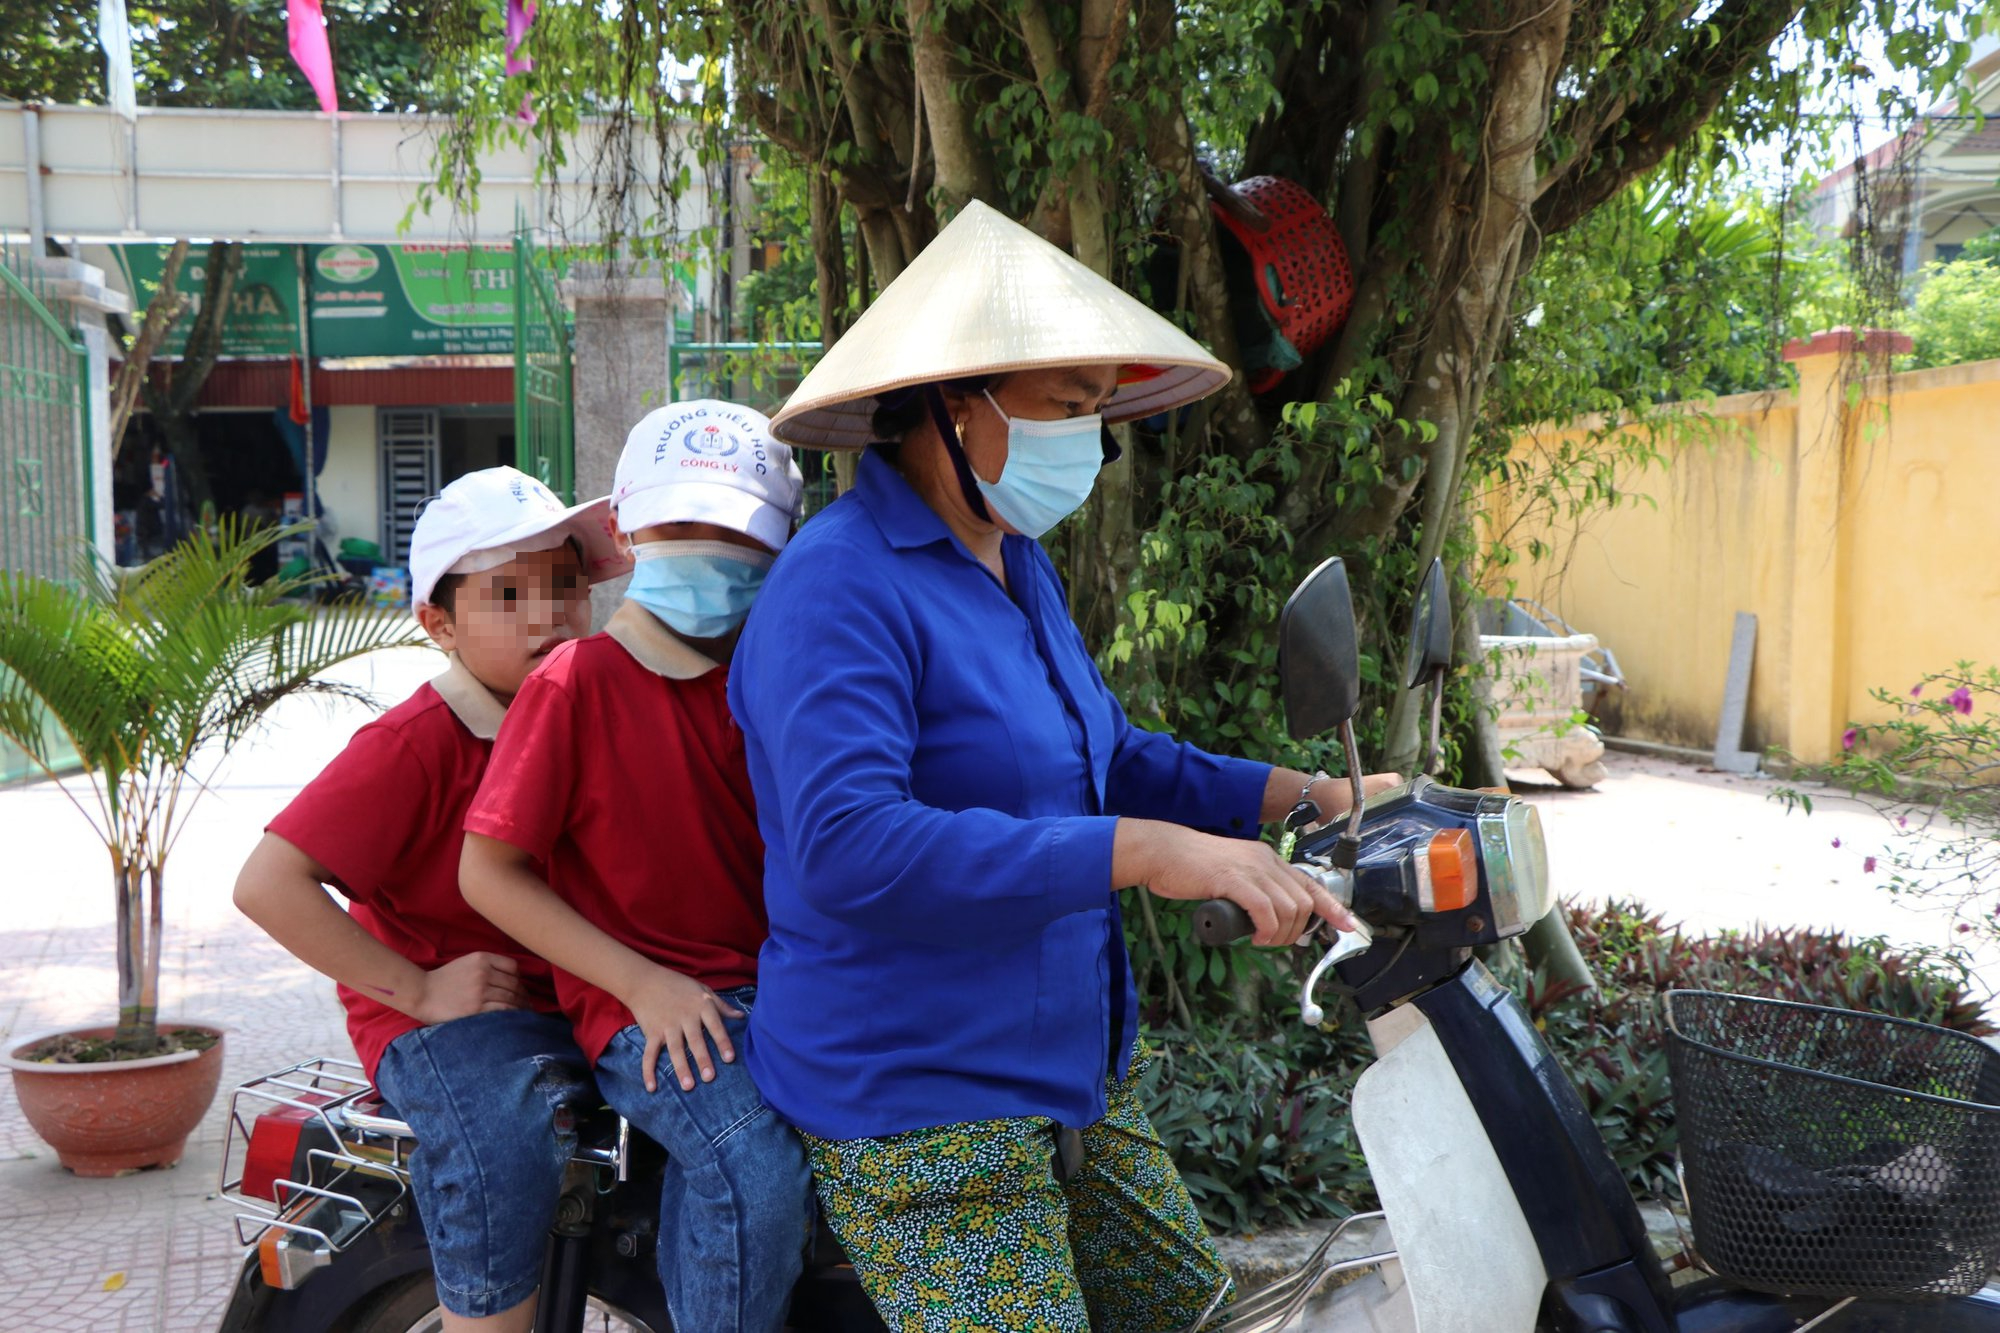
(290, 1253)
(1453, 881)
(273, 1150)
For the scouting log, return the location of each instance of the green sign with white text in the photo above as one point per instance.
(412, 300)
(263, 307)
(365, 300)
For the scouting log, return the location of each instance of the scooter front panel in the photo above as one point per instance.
(1468, 1258)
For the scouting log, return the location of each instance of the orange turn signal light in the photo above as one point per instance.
(1454, 871)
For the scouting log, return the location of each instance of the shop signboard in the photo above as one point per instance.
(365, 300)
(412, 300)
(263, 308)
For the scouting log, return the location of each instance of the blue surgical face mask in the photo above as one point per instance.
(1051, 466)
(702, 590)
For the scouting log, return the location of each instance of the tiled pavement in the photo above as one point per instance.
(153, 1251)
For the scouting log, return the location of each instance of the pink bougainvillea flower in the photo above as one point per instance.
(1961, 700)
(1868, 866)
(1965, 927)
(1917, 690)
(1836, 842)
(1902, 821)
(1847, 739)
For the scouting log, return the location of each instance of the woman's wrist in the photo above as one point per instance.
(1137, 850)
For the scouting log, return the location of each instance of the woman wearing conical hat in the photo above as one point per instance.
(951, 798)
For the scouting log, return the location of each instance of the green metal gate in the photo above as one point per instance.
(544, 409)
(46, 486)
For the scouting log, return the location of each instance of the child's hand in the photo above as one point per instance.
(680, 1014)
(476, 983)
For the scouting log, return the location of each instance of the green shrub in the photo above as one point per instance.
(1956, 315)
(1933, 770)
(1613, 1044)
(1255, 1110)
(1255, 1114)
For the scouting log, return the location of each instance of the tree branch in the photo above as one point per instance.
(964, 167)
(1690, 87)
(162, 312)
(204, 342)
(1170, 148)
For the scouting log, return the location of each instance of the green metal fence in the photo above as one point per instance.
(544, 411)
(46, 483)
(45, 465)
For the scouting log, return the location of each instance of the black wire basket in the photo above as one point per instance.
(1836, 1153)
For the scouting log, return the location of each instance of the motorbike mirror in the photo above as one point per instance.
(1430, 629)
(1319, 659)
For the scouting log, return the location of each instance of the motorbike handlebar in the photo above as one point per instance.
(1218, 922)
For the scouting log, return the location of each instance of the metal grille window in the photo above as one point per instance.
(408, 439)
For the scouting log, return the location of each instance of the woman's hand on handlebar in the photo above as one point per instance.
(1176, 862)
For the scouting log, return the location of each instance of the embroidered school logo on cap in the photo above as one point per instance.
(712, 440)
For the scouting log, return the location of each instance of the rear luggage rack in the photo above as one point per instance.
(356, 1169)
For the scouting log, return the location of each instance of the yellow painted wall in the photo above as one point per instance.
(1866, 541)
(1924, 539)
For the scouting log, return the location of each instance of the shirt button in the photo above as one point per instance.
(1236, 823)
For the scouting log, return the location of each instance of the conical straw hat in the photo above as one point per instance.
(985, 297)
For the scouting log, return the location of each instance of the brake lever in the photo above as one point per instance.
(1355, 942)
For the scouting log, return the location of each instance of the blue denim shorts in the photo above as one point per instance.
(734, 1195)
(481, 1094)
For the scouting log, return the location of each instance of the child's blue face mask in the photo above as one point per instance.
(702, 590)
(1051, 466)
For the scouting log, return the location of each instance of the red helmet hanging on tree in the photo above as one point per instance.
(1289, 253)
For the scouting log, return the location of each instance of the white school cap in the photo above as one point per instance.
(707, 461)
(488, 517)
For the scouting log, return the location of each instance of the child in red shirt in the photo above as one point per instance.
(455, 1022)
(621, 771)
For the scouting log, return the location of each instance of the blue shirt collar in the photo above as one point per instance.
(905, 519)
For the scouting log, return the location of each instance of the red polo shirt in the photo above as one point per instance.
(386, 818)
(621, 770)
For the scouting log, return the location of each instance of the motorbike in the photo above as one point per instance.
(1502, 1209)
(1879, 1214)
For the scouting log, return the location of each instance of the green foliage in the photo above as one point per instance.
(781, 302)
(1255, 1110)
(149, 673)
(1956, 315)
(1255, 1114)
(1933, 770)
(1613, 1043)
(221, 53)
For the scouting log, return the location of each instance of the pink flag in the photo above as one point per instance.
(309, 48)
(520, 17)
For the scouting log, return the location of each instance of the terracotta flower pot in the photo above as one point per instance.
(118, 1116)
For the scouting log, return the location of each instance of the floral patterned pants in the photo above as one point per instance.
(964, 1228)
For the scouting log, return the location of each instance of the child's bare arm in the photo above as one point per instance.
(673, 1010)
(282, 890)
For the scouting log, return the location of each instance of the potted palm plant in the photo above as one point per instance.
(150, 676)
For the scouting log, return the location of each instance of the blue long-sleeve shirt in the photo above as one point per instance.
(939, 769)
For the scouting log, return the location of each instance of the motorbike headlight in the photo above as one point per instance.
(1517, 866)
